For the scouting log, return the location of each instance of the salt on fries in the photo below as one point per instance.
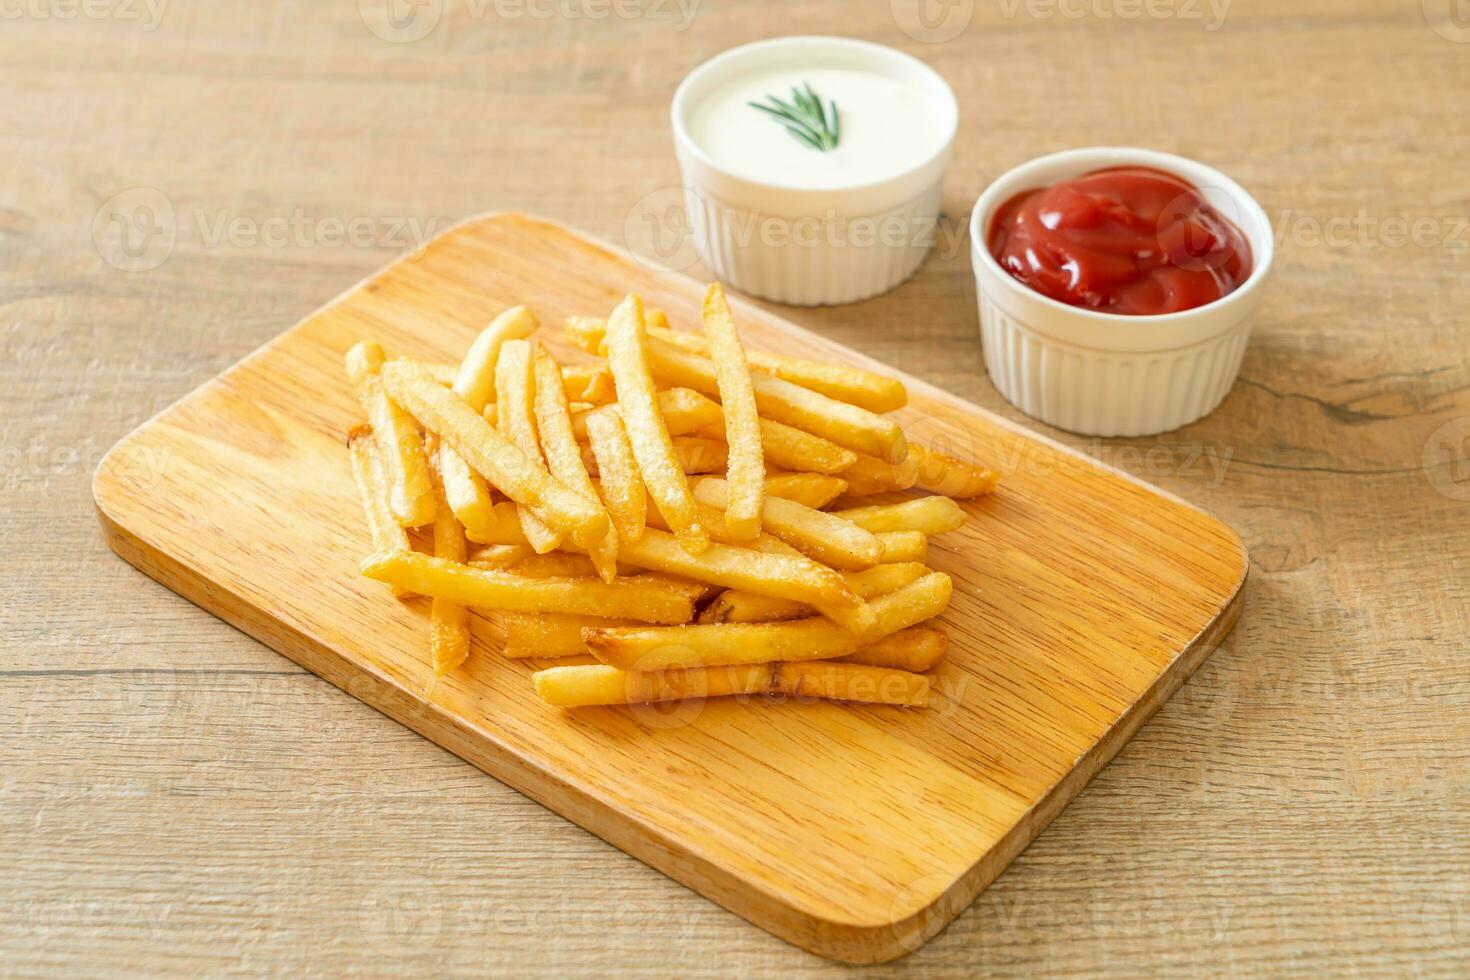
(400, 446)
(627, 356)
(467, 492)
(668, 511)
(746, 465)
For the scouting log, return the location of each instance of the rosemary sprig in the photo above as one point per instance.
(804, 119)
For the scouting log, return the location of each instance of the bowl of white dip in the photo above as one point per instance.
(812, 166)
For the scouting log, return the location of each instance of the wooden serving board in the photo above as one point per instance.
(1083, 599)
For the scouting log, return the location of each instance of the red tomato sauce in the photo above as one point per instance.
(1130, 240)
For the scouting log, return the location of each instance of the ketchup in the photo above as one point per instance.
(1129, 240)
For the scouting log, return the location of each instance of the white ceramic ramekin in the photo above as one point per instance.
(1104, 374)
(798, 245)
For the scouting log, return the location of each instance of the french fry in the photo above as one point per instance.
(590, 383)
(474, 381)
(449, 621)
(502, 529)
(688, 413)
(465, 490)
(515, 398)
(904, 546)
(868, 475)
(781, 401)
(596, 684)
(400, 446)
(817, 638)
(564, 456)
(552, 635)
(745, 472)
(627, 357)
(816, 490)
(916, 649)
(695, 455)
(501, 555)
(942, 474)
(783, 576)
(736, 606)
(513, 473)
(788, 447)
(931, 515)
(829, 539)
(622, 486)
(648, 600)
(866, 389)
(372, 486)
(848, 611)
(558, 564)
(561, 564)
(684, 412)
(853, 682)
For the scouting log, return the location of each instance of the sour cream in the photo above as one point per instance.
(887, 128)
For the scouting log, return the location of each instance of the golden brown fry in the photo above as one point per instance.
(687, 412)
(622, 486)
(938, 473)
(917, 649)
(643, 598)
(449, 621)
(746, 467)
(782, 576)
(904, 546)
(866, 389)
(596, 684)
(669, 648)
(627, 357)
(501, 555)
(564, 456)
(465, 490)
(695, 455)
(502, 529)
(781, 401)
(868, 475)
(853, 682)
(816, 490)
(558, 564)
(474, 381)
(512, 472)
(400, 446)
(684, 412)
(829, 539)
(736, 606)
(551, 635)
(791, 448)
(590, 383)
(372, 486)
(931, 515)
(515, 395)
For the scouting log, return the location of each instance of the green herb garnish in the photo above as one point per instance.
(804, 119)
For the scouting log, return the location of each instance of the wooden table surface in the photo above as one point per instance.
(181, 181)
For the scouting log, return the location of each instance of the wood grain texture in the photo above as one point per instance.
(177, 798)
(1083, 599)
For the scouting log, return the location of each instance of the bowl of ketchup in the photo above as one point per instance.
(1115, 287)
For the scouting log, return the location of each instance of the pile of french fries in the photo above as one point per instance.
(666, 509)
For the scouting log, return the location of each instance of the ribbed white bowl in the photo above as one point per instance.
(1103, 374)
(811, 262)
(805, 246)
